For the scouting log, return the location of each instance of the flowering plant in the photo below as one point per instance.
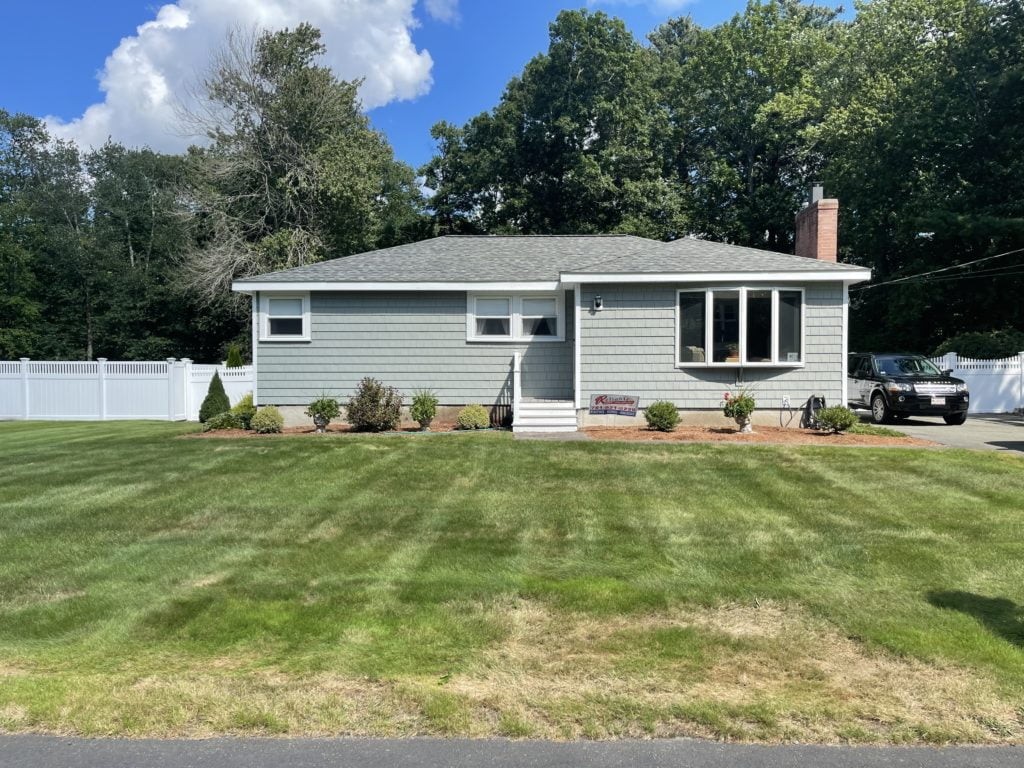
(738, 406)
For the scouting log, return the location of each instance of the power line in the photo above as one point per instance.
(937, 271)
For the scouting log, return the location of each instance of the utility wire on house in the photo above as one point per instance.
(920, 277)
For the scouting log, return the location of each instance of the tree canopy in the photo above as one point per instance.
(909, 112)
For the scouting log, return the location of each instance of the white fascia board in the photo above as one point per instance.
(855, 275)
(243, 286)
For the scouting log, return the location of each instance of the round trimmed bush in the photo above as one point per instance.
(836, 418)
(473, 416)
(245, 410)
(268, 420)
(662, 416)
(226, 420)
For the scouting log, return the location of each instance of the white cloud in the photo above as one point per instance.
(151, 72)
(443, 10)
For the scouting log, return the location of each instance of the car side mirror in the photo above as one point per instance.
(947, 371)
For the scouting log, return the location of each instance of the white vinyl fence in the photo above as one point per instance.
(996, 386)
(170, 390)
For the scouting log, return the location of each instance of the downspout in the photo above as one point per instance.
(255, 343)
(577, 355)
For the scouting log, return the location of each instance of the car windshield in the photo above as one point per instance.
(906, 366)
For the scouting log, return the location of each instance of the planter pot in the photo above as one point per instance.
(745, 426)
(320, 422)
(425, 425)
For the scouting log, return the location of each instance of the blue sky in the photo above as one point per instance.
(454, 56)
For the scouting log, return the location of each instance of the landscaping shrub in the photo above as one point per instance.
(424, 407)
(984, 346)
(324, 409)
(375, 408)
(267, 420)
(234, 356)
(473, 416)
(739, 406)
(662, 416)
(245, 410)
(837, 418)
(216, 400)
(226, 420)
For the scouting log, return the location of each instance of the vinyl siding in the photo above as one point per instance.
(410, 341)
(629, 348)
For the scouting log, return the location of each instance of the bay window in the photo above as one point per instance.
(740, 326)
(515, 317)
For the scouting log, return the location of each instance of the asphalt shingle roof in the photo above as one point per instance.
(467, 258)
(697, 256)
(540, 258)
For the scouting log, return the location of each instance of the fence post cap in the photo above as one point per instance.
(186, 359)
(101, 359)
(24, 359)
(171, 359)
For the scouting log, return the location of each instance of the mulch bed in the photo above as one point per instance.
(332, 429)
(685, 434)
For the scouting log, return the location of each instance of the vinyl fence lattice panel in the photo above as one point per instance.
(100, 390)
(996, 386)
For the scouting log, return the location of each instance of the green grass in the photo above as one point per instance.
(475, 585)
(862, 428)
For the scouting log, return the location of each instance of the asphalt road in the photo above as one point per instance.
(983, 432)
(58, 752)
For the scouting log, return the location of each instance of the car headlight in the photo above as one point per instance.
(961, 387)
(895, 386)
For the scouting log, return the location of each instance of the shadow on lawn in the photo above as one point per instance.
(1000, 614)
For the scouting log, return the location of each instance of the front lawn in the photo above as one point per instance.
(477, 585)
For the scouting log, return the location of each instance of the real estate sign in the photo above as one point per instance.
(620, 405)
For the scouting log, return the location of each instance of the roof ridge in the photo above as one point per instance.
(592, 234)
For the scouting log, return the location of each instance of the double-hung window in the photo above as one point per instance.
(733, 326)
(285, 317)
(515, 317)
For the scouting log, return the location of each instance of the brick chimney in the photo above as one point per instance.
(817, 227)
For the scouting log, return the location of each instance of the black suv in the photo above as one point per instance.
(895, 386)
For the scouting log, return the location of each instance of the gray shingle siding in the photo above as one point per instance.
(409, 340)
(629, 348)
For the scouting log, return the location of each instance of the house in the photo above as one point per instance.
(539, 325)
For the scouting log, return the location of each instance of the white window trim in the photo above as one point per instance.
(264, 324)
(708, 321)
(516, 318)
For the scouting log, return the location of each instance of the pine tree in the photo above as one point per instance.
(216, 400)
(234, 356)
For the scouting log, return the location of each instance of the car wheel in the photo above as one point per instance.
(880, 413)
(955, 419)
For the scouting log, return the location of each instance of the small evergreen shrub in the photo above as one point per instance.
(226, 420)
(473, 416)
(234, 356)
(245, 410)
(837, 418)
(375, 407)
(324, 408)
(216, 400)
(662, 416)
(424, 407)
(268, 420)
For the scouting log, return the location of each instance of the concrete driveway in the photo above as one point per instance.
(982, 432)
